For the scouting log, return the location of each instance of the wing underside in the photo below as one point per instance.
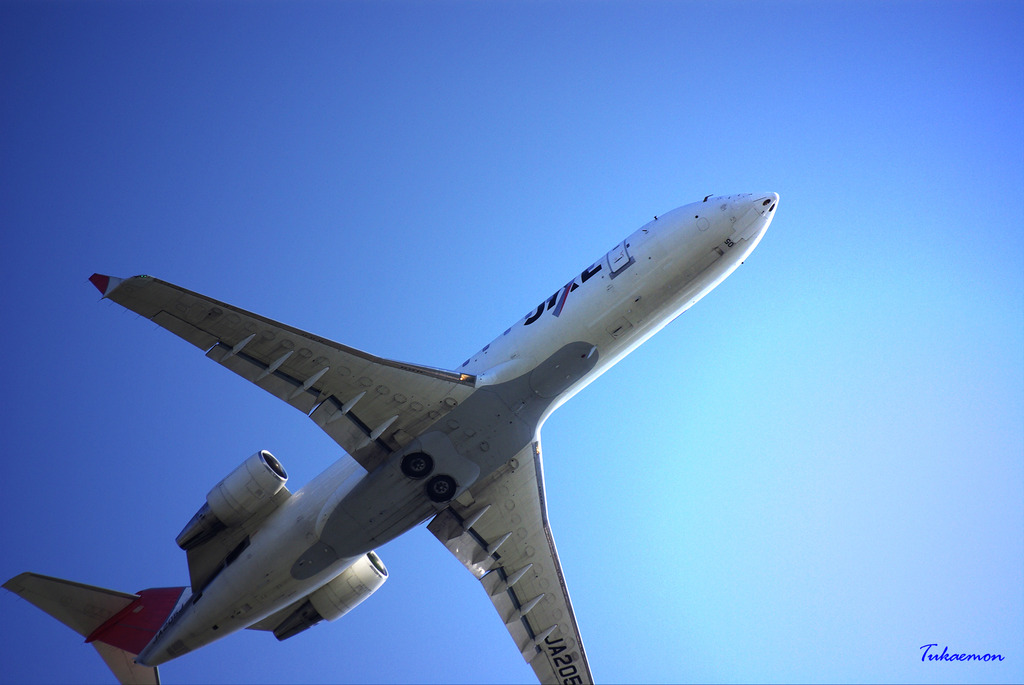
(500, 533)
(369, 405)
(85, 609)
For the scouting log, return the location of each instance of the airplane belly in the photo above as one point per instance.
(256, 584)
(243, 594)
(472, 441)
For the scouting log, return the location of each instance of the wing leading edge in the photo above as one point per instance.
(369, 405)
(500, 532)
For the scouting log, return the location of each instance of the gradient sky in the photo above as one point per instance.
(812, 473)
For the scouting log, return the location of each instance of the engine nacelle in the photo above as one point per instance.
(247, 489)
(238, 497)
(338, 597)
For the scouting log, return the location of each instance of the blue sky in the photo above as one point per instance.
(812, 473)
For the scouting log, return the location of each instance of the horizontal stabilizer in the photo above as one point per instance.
(83, 608)
(118, 624)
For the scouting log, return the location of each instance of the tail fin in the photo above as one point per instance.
(119, 625)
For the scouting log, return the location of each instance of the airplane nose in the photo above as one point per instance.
(767, 203)
(759, 214)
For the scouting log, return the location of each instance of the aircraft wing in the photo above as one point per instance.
(369, 405)
(499, 531)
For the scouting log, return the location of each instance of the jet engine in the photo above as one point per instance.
(241, 495)
(338, 597)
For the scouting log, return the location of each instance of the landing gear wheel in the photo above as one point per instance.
(441, 488)
(417, 465)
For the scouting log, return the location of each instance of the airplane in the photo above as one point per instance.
(459, 447)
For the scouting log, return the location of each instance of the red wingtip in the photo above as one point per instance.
(101, 282)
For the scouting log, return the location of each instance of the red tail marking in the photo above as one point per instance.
(101, 282)
(132, 628)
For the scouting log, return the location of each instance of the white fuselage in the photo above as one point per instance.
(611, 307)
